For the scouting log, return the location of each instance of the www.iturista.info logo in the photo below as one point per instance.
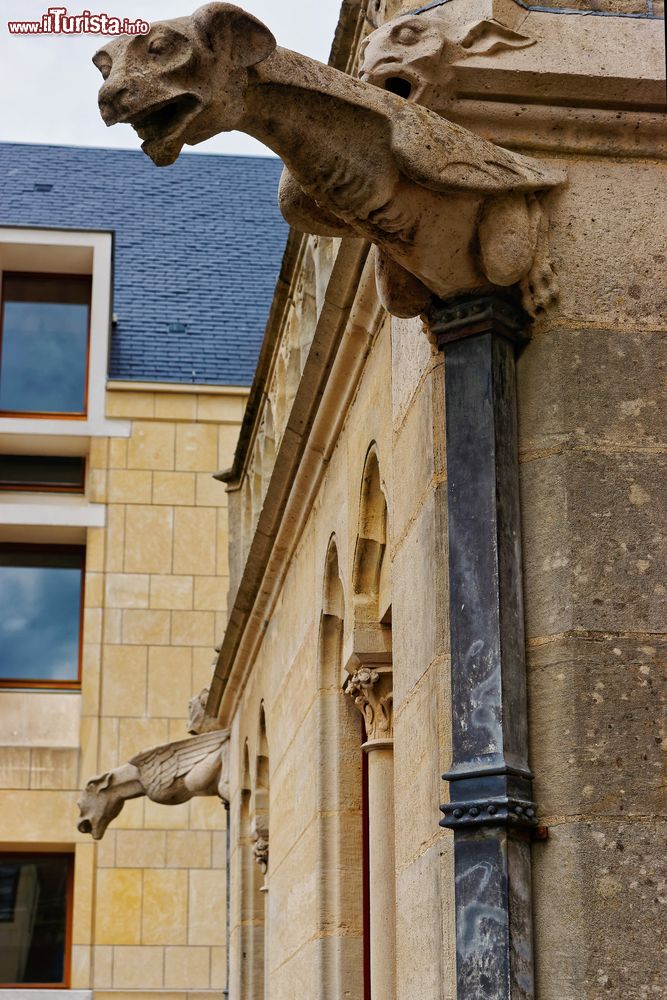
(56, 21)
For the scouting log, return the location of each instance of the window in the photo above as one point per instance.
(35, 919)
(41, 601)
(44, 473)
(44, 347)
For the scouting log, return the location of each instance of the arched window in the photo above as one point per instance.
(370, 685)
(339, 793)
(370, 580)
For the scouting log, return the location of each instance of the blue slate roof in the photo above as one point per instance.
(197, 250)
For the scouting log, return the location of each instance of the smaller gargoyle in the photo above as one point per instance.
(168, 774)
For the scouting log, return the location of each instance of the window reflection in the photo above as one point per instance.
(40, 613)
(44, 357)
(34, 894)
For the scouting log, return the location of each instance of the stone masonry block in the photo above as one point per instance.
(594, 536)
(598, 721)
(148, 539)
(118, 906)
(165, 908)
(418, 453)
(421, 736)
(174, 488)
(197, 448)
(558, 404)
(420, 627)
(194, 540)
(604, 874)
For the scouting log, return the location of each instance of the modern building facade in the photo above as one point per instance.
(133, 307)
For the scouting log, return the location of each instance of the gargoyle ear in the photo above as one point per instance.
(249, 40)
(487, 37)
(100, 783)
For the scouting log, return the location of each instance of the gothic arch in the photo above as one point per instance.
(369, 576)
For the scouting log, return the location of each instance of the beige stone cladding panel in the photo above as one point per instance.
(159, 886)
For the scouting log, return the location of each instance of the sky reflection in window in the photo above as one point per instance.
(40, 607)
(44, 358)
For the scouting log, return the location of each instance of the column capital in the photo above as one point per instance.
(490, 310)
(371, 688)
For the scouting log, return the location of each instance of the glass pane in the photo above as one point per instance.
(41, 471)
(44, 344)
(33, 918)
(40, 605)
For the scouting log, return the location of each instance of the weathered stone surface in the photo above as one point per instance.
(598, 722)
(593, 388)
(448, 211)
(419, 452)
(421, 753)
(420, 626)
(599, 893)
(594, 537)
(610, 204)
(425, 948)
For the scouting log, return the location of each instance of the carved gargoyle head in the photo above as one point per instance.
(415, 55)
(185, 80)
(98, 806)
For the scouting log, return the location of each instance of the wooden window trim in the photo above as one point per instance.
(69, 919)
(51, 414)
(52, 685)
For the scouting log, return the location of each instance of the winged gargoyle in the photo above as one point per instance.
(168, 774)
(448, 211)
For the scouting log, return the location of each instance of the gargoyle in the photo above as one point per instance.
(448, 211)
(168, 774)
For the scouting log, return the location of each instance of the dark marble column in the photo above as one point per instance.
(490, 808)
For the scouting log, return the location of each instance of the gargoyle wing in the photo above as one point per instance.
(442, 156)
(160, 766)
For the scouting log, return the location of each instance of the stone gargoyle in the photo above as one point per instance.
(168, 774)
(448, 211)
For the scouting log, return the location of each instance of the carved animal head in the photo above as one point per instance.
(185, 80)
(98, 806)
(414, 55)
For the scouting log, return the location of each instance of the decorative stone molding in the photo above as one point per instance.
(448, 211)
(371, 690)
(260, 837)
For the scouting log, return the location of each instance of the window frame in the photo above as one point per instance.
(77, 490)
(69, 918)
(50, 414)
(47, 684)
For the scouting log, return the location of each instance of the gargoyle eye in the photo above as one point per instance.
(407, 34)
(159, 46)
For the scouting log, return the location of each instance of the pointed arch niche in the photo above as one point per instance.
(369, 684)
(251, 951)
(340, 868)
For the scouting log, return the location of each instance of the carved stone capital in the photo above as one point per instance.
(371, 688)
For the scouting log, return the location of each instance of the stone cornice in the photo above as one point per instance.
(345, 331)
